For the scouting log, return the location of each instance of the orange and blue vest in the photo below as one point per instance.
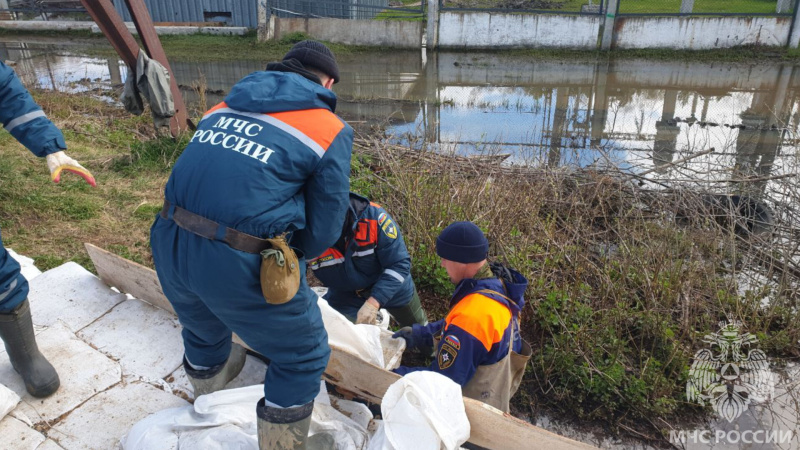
(478, 328)
(370, 255)
(272, 158)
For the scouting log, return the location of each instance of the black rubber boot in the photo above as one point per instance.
(215, 378)
(287, 429)
(16, 330)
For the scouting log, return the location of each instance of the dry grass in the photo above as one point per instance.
(624, 281)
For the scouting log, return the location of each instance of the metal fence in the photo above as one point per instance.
(42, 8)
(346, 9)
(240, 13)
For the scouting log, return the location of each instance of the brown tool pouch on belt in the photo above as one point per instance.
(280, 272)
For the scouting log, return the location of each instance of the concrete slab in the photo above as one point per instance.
(83, 371)
(144, 339)
(49, 445)
(15, 435)
(70, 294)
(252, 373)
(105, 418)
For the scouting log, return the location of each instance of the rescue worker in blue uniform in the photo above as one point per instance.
(478, 344)
(273, 158)
(26, 121)
(369, 268)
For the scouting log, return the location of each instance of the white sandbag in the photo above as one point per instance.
(8, 401)
(27, 268)
(422, 411)
(369, 342)
(346, 431)
(227, 419)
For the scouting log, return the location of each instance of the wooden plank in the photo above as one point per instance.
(491, 428)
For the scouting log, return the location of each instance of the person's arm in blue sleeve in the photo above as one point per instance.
(419, 336)
(394, 259)
(24, 119)
(458, 364)
(423, 334)
(327, 198)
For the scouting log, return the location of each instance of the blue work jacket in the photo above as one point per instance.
(271, 158)
(24, 119)
(478, 327)
(370, 255)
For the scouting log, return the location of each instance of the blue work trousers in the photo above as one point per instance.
(13, 286)
(216, 290)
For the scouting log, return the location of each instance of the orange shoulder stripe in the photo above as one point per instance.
(216, 107)
(482, 317)
(320, 125)
(375, 204)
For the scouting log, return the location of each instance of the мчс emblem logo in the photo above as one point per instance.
(729, 375)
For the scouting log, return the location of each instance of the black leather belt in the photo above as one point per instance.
(209, 229)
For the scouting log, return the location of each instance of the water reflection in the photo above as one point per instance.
(634, 113)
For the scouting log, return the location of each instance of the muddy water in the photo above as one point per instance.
(643, 115)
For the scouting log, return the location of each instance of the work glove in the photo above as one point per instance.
(59, 161)
(368, 314)
(406, 333)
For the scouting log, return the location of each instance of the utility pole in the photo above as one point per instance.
(794, 34)
(608, 27)
(432, 27)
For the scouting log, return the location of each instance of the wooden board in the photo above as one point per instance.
(490, 428)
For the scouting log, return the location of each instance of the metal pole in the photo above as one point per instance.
(608, 27)
(112, 26)
(263, 18)
(432, 26)
(794, 30)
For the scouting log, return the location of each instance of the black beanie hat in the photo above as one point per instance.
(313, 54)
(462, 242)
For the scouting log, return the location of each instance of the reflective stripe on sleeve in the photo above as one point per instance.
(23, 119)
(332, 262)
(396, 275)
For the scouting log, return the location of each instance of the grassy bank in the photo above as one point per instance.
(203, 47)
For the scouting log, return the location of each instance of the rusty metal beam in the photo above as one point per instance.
(112, 26)
(152, 44)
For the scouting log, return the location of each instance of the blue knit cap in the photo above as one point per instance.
(462, 242)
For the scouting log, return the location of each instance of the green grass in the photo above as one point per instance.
(700, 6)
(233, 48)
(643, 6)
(50, 222)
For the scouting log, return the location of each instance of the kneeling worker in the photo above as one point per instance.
(478, 344)
(369, 268)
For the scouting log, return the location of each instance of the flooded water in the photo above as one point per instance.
(635, 114)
